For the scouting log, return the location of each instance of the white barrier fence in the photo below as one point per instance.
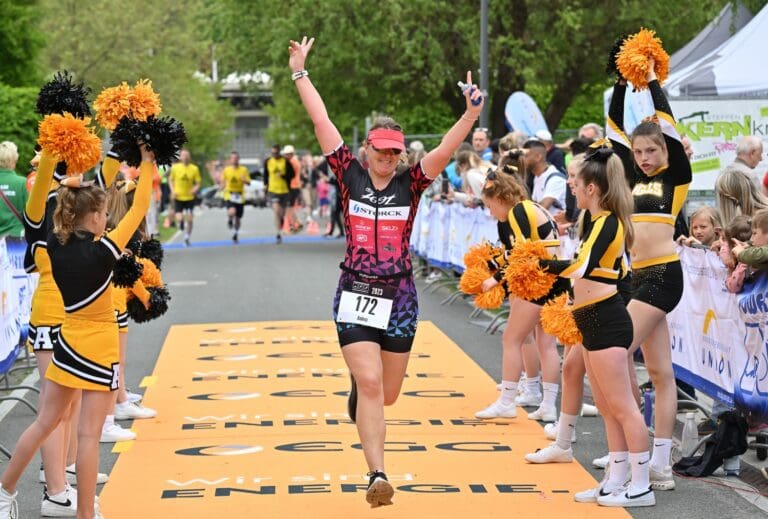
(16, 289)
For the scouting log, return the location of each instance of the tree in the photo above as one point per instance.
(404, 56)
(21, 41)
(18, 122)
(103, 45)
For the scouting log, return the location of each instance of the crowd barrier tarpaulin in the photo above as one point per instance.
(751, 388)
(16, 289)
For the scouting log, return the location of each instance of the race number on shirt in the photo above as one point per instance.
(366, 304)
(236, 198)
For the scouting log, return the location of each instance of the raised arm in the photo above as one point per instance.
(614, 130)
(121, 234)
(436, 160)
(679, 165)
(109, 170)
(327, 135)
(34, 211)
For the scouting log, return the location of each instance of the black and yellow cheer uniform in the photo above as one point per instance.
(521, 226)
(603, 322)
(86, 354)
(47, 304)
(659, 197)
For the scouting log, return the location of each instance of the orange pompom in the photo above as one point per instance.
(140, 292)
(557, 320)
(632, 60)
(112, 104)
(144, 101)
(472, 279)
(525, 278)
(70, 139)
(150, 275)
(491, 299)
(479, 255)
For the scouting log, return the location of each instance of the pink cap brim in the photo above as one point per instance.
(384, 139)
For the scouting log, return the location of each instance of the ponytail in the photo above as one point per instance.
(605, 170)
(73, 204)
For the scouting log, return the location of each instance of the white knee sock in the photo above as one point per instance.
(640, 472)
(662, 450)
(532, 385)
(619, 468)
(565, 425)
(550, 394)
(508, 391)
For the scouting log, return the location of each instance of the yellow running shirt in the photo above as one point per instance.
(234, 183)
(277, 169)
(183, 179)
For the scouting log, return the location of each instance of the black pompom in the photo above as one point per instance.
(153, 251)
(125, 139)
(164, 136)
(126, 272)
(158, 305)
(610, 67)
(63, 95)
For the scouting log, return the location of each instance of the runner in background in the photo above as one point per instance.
(234, 178)
(278, 173)
(185, 182)
(375, 308)
(294, 191)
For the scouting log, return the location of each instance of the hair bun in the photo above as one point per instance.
(600, 154)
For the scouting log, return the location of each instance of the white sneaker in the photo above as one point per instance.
(136, 397)
(589, 410)
(544, 414)
(601, 463)
(550, 454)
(591, 495)
(101, 478)
(114, 433)
(526, 399)
(133, 411)
(434, 276)
(498, 410)
(662, 480)
(66, 507)
(9, 508)
(623, 498)
(550, 432)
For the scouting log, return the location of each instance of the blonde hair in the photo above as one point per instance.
(504, 187)
(615, 195)
(737, 194)
(9, 155)
(72, 206)
(708, 212)
(118, 203)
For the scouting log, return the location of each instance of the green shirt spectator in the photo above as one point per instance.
(755, 257)
(15, 189)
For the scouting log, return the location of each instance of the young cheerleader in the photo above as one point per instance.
(606, 327)
(86, 352)
(522, 220)
(659, 174)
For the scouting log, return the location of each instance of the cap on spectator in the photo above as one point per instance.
(288, 150)
(544, 135)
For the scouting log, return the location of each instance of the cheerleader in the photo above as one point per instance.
(606, 326)
(86, 352)
(522, 220)
(659, 173)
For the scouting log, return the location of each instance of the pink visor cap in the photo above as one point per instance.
(384, 139)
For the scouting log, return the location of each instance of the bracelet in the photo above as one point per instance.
(299, 74)
(464, 116)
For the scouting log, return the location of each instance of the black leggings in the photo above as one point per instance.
(336, 216)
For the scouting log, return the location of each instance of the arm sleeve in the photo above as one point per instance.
(597, 243)
(339, 160)
(679, 165)
(614, 130)
(34, 211)
(109, 170)
(755, 257)
(130, 222)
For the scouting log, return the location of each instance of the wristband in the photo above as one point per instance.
(299, 74)
(464, 116)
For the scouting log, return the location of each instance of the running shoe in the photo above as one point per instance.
(527, 399)
(498, 410)
(623, 498)
(279, 239)
(186, 240)
(114, 433)
(550, 454)
(550, 432)
(601, 463)
(8, 506)
(592, 495)
(662, 480)
(234, 238)
(62, 505)
(101, 478)
(352, 399)
(589, 410)
(379, 492)
(133, 411)
(544, 414)
(133, 397)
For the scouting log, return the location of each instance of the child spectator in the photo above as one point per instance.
(735, 233)
(756, 255)
(323, 190)
(706, 225)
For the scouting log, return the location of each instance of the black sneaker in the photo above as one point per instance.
(379, 492)
(234, 238)
(279, 239)
(352, 399)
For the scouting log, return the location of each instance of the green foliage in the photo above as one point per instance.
(20, 41)
(18, 122)
(104, 45)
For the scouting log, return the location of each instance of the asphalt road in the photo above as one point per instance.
(215, 281)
